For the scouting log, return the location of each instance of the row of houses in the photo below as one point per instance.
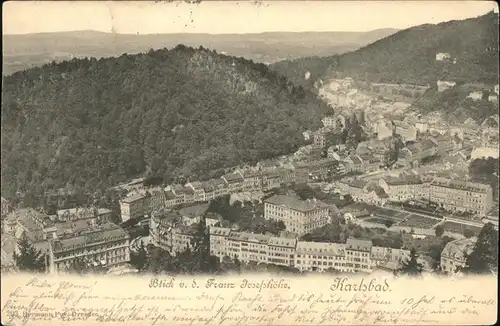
(450, 194)
(353, 256)
(168, 232)
(142, 204)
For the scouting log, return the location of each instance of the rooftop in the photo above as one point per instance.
(220, 231)
(357, 183)
(133, 198)
(323, 248)
(249, 237)
(167, 216)
(106, 232)
(194, 211)
(282, 242)
(458, 248)
(177, 188)
(195, 185)
(356, 159)
(359, 245)
(169, 195)
(462, 185)
(233, 177)
(402, 180)
(296, 204)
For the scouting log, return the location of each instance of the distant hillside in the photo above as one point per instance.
(409, 56)
(182, 112)
(25, 51)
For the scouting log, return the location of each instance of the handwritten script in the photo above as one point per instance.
(255, 300)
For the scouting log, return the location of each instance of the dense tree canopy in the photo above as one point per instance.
(409, 56)
(28, 258)
(411, 267)
(484, 257)
(182, 112)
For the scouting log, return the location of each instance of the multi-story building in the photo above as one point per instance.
(381, 256)
(403, 188)
(82, 213)
(358, 255)
(234, 182)
(321, 169)
(405, 130)
(219, 242)
(320, 256)
(199, 191)
(252, 180)
(353, 256)
(445, 143)
(422, 127)
(287, 175)
(178, 191)
(189, 195)
(134, 207)
(329, 121)
(171, 200)
(357, 188)
(353, 163)
(301, 171)
(214, 188)
(370, 163)
(281, 251)
(315, 170)
(428, 148)
(180, 238)
(157, 199)
(333, 153)
(104, 245)
(321, 137)
(299, 216)
(248, 247)
(271, 179)
(455, 253)
(461, 196)
(161, 228)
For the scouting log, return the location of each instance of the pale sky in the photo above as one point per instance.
(223, 17)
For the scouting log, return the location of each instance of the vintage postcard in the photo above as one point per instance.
(249, 163)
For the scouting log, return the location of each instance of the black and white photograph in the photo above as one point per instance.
(169, 139)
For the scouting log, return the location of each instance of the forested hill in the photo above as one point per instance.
(409, 56)
(92, 123)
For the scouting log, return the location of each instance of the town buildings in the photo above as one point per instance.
(134, 207)
(102, 245)
(405, 130)
(299, 216)
(461, 196)
(161, 229)
(320, 256)
(455, 253)
(81, 213)
(321, 136)
(352, 256)
(405, 188)
(329, 121)
(358, 255)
